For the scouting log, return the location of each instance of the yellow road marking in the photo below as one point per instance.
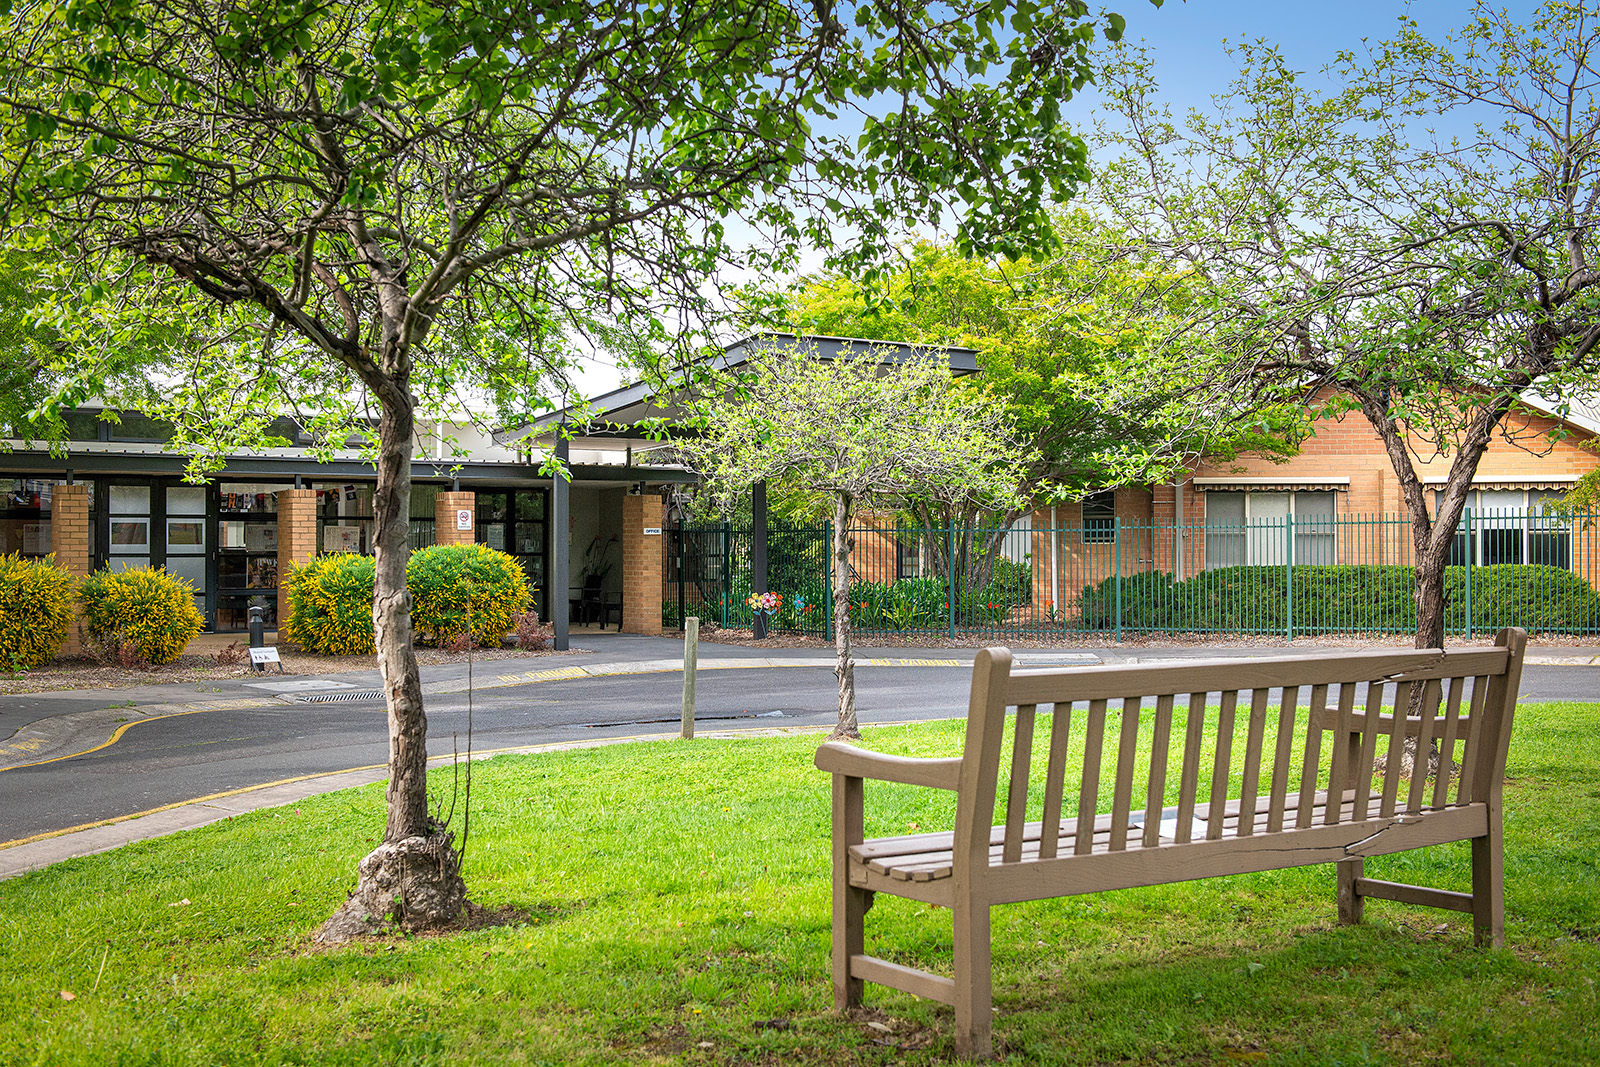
(124, 728)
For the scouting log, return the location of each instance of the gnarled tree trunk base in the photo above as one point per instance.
(408, 885)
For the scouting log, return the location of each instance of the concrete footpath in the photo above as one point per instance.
(46, 727)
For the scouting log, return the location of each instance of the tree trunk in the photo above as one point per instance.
(413, 879)
(845, 669)
(1430, 597)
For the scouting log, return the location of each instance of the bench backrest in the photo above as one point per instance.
(1461, 699)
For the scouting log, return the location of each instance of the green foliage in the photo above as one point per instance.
(330, 605)
(1344, 598)
(1077, 346)
(148, 608)
(444, 579)
(35, 610)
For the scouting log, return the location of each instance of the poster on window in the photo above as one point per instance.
(341, 539)
(260, 537)
(35, 538)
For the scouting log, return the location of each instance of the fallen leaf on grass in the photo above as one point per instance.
(67, 994)
(179, 903)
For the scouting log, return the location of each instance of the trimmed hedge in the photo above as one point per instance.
(148, 607)
(1340, 599)
(330, 598)
(35, 610)
(330, 605)
(442, 580)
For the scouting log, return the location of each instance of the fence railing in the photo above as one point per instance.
(1280, 576)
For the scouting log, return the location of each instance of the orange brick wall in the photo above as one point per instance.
(69, 540)
(641, 564)
(1347, 447)
(297, 539)
(445, 506)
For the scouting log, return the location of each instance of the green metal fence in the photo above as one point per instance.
(1276, 577)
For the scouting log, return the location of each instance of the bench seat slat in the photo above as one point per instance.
(927, 857)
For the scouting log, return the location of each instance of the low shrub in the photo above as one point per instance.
(35, 610)
(529, 634)
(147, 608)
(330, 605)
(443, 579)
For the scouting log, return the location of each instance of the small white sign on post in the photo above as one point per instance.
(652, 531)
(260, 657)
(463, 519)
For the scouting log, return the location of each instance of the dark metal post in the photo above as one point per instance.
(727, 571)
(758, 550)
(1288, 555)
(1116, 538)
(258, 633)
(560, 542)
(950, 587)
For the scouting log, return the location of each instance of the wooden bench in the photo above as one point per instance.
(1297, 807)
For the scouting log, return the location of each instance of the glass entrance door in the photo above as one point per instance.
(187, 542)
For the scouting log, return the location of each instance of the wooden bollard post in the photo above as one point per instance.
(691, 656)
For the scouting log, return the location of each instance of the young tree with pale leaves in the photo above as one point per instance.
(1352, 252)
(867, 430)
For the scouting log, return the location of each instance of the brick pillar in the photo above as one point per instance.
(69, 540)
(446, 527)
(641, 564)
(297, 539)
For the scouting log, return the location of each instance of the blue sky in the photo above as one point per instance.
(1186, 38)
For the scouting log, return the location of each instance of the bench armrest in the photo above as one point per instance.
(836, 757)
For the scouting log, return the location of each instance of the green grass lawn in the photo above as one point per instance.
(676, 903)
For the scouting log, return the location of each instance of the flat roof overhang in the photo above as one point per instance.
(150, 464)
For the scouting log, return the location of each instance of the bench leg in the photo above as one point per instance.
(1351, 903)
(850, 904)
(974, 996)
(1488, 890)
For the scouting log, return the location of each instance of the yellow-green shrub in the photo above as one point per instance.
(148, 607)
(35, 610)
(442, 579)
(330, 605)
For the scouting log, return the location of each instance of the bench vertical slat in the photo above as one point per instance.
(1127, 755)
(1312, 765)
(1397, 743)
(1089, 788)
(1469, 750)
(1017, 790)
(1417, 792)
(1346, 754)
(1189, 784)
(1369, 753)
(1282, 757)
(1054, 780)
(1252, 762)
(1217, 803)
(1156, 795)
(1447, 744)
